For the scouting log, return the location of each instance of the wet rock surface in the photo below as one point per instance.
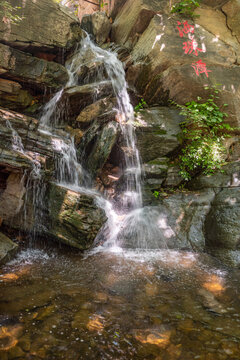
(73, 218)
(7, 249)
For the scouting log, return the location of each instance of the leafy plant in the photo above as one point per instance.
(7, 12)
(186, 7)
(102, 4)
(156, 194)
(203, 133)
(140, 105)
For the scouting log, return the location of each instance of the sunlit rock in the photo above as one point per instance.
(134, 18)
(96, 323)
(154, 337)
(98, 25)
(45, 26)
(7, 250)
(73, 218)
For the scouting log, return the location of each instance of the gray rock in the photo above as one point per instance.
(133, 18)
(93, 111)
(177, 223)
(222, 227)
(227, 178)
(102, 147)
(184, 215)
(173, 178)
(24, 67)
(7, 248)
(45, 27)
(98, 25)
(157, 130)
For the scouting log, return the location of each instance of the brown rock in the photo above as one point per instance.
(21, 66)
(218, 27)
(12, 96)
(45, 26)
(232, 11)
(93, 111)
(134, 18)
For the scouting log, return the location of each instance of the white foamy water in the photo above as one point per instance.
(30, 256)
(69, 172)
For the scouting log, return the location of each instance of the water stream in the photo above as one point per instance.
(164, 305)
(69, 172)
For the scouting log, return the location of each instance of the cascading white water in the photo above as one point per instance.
(17, 144)
(132, 196)
(123, 221)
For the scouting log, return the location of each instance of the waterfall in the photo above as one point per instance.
(68, 171)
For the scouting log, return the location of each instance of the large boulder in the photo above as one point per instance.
(157, 130)
(23, 67)
(176, 223)
(217, 26)
(95, 110)
(45, 27)
(231, 9)
(165, 67)
(76, 98)
(7, 248)
(134, 18)
(222, 226)
(102, 147)
(228, 177)
(74, 218)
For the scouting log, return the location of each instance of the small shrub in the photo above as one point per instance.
(203, 133)
(186, 7)
(142, 103)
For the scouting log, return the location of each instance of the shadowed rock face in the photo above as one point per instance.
(20, 66)
(46, 27)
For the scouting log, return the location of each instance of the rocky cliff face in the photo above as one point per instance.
(148, 38)
(163, 68)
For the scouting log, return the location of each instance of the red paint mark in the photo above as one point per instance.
(191, 46)
(186, 29)
(200, 68)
